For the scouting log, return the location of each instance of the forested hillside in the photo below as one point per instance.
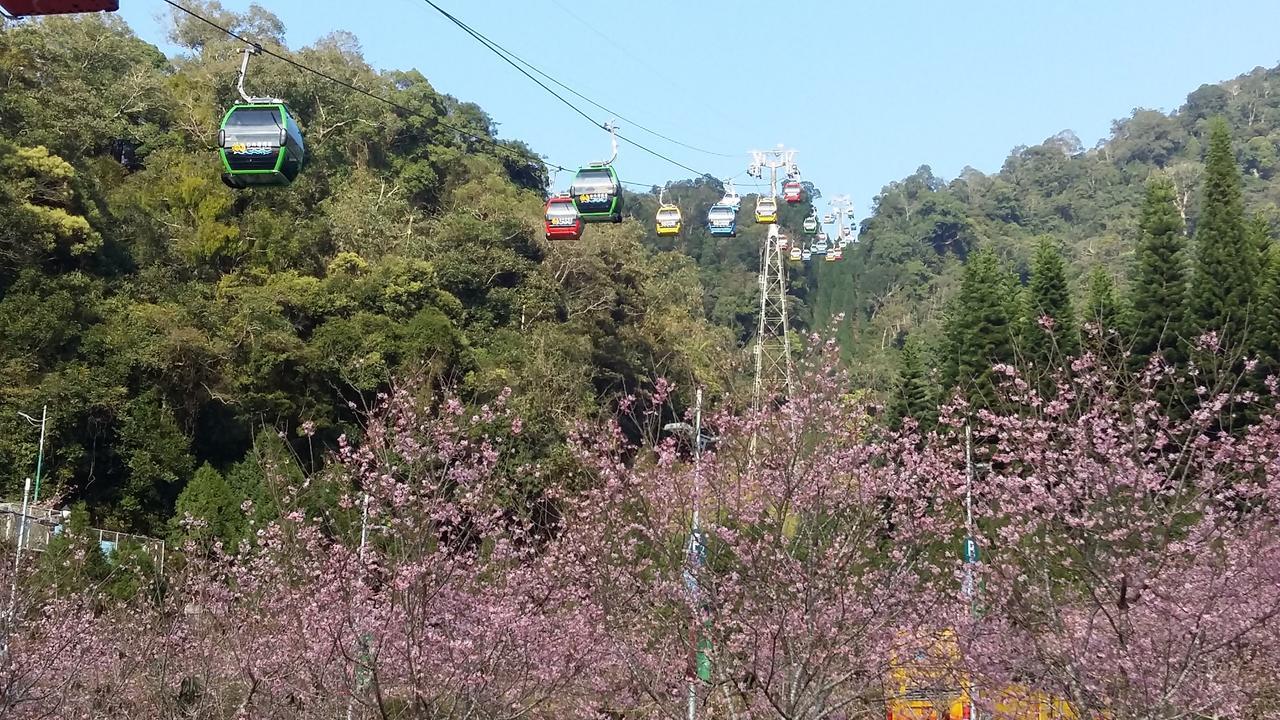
(410, 459)
(169, 322)
(1087, 201)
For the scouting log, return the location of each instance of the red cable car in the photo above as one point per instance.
(562, 218)
(20, 8)
(792, 192)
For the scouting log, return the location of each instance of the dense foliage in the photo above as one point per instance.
(171, 324)
(415, 461)
(907, 267)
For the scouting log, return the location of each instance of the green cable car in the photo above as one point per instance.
(596, 190)
(597, 194)
(260, 144)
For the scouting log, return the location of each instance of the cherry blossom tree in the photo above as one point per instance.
(1129, 569)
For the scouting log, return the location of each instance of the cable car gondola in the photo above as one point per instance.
(836, 254)
(21, 8)
(849, 213)
(810, 225)
(783, 242)
(596, 190)
(820, 247)
(597, 194)
(806, 255)
(562, 219)
(731, 197)
(796, 254)
(668, 220)
(722, 221)
(766, 210)
(259, 141)
(828, 218)
(260, 144)
(792, 192)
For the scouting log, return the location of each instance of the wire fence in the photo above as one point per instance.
(41, 525)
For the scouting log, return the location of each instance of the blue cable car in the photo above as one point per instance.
(722, 221)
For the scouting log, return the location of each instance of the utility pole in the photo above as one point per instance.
(44, 418)
(773, 342)
(12, 615)
(364, 645)
(699, 666)
(970, 546)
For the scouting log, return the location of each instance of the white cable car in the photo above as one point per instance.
(796, 254)
(783, 242)
(822, 238)
(806, 255)
(820, 247)
(849, 213)
(828, 218)
(731, 197)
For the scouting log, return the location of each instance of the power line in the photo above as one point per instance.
(629, 52)
(507, 55)
(514, 154)
(515, 61)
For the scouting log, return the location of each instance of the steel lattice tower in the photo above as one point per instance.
(773, 341)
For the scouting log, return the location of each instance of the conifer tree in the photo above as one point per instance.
(914, 396)
(1226, 265)
(1052, 332)
(1267, 318)
(1102, 315)
(979, 327)
(1156, 321)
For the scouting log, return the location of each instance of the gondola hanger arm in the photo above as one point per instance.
(252, 49)
(612, 129)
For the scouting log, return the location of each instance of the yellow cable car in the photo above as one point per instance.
(767, 210)
(668, 221)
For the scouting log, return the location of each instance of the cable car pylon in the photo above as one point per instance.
(773, 339)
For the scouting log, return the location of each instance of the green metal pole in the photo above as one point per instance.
(44, 416)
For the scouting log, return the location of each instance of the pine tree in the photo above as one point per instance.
(1052, 332)
(1156, 321)
(1102, 315)
(979, 327)
(1267, 337)
(914, 396)
(1226, 265)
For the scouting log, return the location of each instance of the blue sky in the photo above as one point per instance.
(865, 91)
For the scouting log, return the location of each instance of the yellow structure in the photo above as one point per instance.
(767, 210)
(668, 221)
(932, 685)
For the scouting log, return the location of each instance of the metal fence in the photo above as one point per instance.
(42, 525)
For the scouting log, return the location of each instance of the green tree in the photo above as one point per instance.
(915, 395)
(1226, 263)
(1103, 315)
(1159, 283)
(209, 510)
(1052, 332)
(979, 327)
(1268, 326)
